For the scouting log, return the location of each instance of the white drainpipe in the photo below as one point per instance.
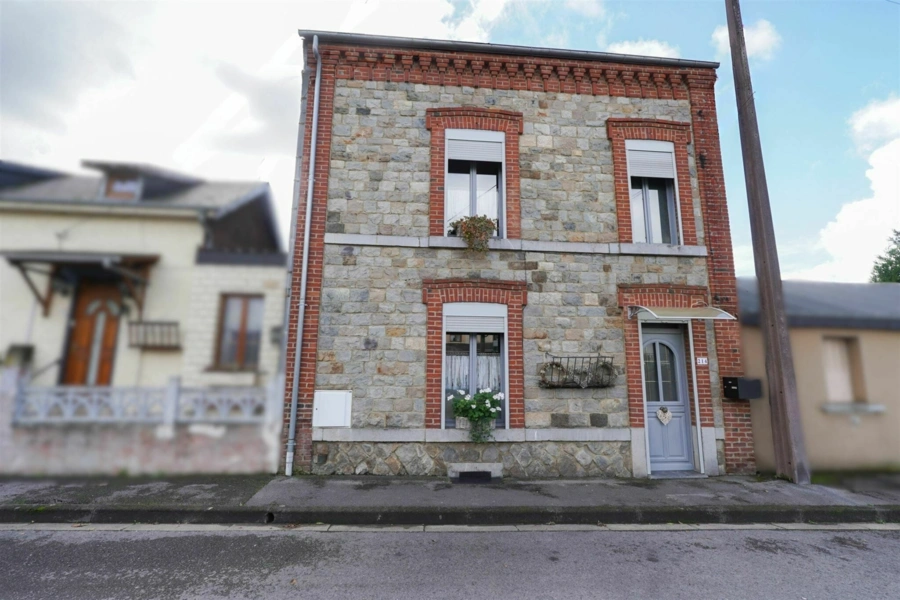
(292, 431)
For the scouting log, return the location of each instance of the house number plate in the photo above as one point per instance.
(702, 360)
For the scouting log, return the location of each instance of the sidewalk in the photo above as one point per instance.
(406, 501)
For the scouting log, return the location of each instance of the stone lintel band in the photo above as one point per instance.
(620, 130)
(437, 292)
(438, 120)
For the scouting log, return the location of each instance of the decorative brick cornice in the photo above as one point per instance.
(511, 72)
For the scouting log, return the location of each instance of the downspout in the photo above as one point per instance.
(295, 384)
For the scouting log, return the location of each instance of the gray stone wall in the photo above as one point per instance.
(380, 158)
(372, 325)
(521, 460)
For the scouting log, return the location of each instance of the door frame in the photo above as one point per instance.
(697, 449)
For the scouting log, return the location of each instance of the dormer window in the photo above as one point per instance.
(122, 188)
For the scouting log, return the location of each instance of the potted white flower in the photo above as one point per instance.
(477, 413)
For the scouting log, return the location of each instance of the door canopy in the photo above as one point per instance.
(647, 313)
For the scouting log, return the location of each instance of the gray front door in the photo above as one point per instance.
(668, 413)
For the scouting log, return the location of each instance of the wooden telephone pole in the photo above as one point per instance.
(790, 452)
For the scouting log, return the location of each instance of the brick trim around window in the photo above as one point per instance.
(619, 130)
(438, 120)
(437, 292)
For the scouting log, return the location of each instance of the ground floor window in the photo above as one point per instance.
(472, 362)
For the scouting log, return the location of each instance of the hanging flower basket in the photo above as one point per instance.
(477, 230)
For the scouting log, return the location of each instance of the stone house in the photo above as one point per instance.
(603, 309)
(141, 313)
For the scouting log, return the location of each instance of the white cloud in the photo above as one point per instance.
(644, 47)
(761, 38)
(859, 232)
(588, 8)
(877, 122)
(134, 81)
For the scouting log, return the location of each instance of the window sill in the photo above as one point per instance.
(217, 369)
(852, 408)
(355, 239)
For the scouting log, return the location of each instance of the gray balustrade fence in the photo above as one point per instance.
(148, 405)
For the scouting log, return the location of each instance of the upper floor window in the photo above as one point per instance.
(240, 332)
(653, 199)
(474, 176)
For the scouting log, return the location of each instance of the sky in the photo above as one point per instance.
(213, 89)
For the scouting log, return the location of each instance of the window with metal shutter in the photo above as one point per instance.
(474, 150)
(651, 163)
(473, 324)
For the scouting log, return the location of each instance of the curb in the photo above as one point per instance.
(432, 515)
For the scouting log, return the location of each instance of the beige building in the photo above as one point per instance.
(846, 344)
(117, 288)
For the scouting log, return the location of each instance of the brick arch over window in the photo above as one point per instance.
(438, 120)
(437, 292)
(619, 130)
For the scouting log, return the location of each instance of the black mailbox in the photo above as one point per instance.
(742, 388)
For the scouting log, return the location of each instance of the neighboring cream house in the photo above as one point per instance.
(846, 343)
(138, 279)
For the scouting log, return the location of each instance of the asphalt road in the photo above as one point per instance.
(192, 562)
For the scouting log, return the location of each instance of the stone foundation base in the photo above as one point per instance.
(520, 459)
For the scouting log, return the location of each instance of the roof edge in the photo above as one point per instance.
(485, 48)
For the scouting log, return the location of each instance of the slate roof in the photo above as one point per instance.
(827, 304)
(187, 192)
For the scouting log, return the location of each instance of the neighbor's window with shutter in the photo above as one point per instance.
(651, 171)
(473, 181)
(240, 332)
(843, 370)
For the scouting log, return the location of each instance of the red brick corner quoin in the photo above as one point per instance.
(437, 292)
(438, 120)
(619, 130)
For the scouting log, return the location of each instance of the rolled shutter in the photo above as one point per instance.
(467, 324)
(648, 163)
(474, 150)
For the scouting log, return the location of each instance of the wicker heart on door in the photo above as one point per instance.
(664, 415)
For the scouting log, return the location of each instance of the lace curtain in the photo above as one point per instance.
(487, 369)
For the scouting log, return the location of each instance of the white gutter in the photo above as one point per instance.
(292, 432)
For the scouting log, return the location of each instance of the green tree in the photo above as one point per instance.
(887, 267)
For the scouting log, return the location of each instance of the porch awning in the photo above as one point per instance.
(130, 269)
(54, 257)
(664, 313)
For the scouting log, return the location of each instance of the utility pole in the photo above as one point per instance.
(790, 451)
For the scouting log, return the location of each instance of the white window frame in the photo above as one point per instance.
(475, 310)
(657, 146)
(478, 135)
(847, 348)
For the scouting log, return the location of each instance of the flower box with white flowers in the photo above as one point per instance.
(478, 413)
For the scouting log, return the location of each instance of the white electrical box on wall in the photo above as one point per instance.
(331, 408)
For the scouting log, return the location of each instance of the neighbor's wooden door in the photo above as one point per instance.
(92, 341)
